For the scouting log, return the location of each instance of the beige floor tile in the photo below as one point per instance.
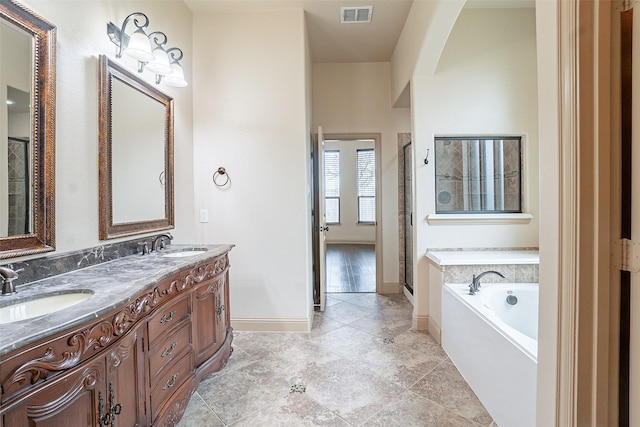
(243, 391)
(445, 385)
(349, 390)
(198, 414)
(347, 342)
(345, 312)
(361, 365)
(296, 409)
(412, 410)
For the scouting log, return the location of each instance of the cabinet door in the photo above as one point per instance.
(222, 312)
(70, 400)
(209, 317)
(125, 376)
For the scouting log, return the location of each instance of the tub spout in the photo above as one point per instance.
(474, 287)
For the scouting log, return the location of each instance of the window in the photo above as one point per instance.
(478, 175)
(366, 180)
(332, 186)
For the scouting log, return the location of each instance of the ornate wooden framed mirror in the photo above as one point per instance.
(27, 131)
(135, 154)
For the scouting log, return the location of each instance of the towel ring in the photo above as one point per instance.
(161, 178)
(221, 172)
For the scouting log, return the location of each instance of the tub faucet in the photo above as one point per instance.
(8, 275)
(158, 242)
(474, 287)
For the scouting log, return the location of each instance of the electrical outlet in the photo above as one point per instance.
(204, 215)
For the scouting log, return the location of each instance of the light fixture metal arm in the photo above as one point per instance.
(140, 20)
(159, 38)
(175, 57)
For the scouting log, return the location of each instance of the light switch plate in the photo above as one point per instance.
(204, 215)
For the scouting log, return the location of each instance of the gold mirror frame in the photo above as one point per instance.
(108, 230)
(42, 237)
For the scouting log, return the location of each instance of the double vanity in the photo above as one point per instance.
(124, 342)
(101, 336)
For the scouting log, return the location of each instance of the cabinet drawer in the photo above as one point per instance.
(167, 317)
(169, 380)
(166, 415)
(167, 350)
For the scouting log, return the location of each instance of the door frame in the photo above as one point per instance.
(377, 137)
(577, 361)
(404, 140)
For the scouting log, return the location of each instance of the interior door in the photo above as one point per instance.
(408, 219)
(322, 221)
(634, 288)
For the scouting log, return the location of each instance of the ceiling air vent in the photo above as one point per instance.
(353, 15)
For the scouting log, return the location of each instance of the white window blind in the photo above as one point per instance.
(366, 177)
(332, 186)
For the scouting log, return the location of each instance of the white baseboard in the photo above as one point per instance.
(421, 323)
(408, 294)
(434, 330)
(390, 288)
(271, 325)
(350, 242)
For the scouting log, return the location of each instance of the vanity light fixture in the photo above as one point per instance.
(160, 64)
(150, 50)
(176, 77)
(137, 45)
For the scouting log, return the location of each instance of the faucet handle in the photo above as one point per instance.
(8, 273)
(144, 246)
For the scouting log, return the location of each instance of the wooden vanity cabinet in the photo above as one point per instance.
(210, 320)
(90, 394)
(71, 399)
(126, 378)
(137, 366)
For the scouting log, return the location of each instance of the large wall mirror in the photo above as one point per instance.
(136, 154)
(478, 175)
(27, 132)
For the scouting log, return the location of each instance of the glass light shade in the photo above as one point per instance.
(139, 47)
(176, 78)
(160, 63)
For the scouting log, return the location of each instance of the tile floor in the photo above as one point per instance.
(361, 365)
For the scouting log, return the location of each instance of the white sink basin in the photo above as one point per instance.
(39, 306)
(185, 253)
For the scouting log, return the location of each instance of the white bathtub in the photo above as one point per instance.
(494, 346)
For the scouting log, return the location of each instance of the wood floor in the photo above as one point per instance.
(351, 268)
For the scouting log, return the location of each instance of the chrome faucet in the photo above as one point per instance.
(158, 242)
(474, 287)
(8, 275)
(144, 247)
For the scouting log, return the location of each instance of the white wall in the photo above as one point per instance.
(356, 98)
(348, 230)
(81, 38)
(423, 37)
(251, 117)
(485, 84)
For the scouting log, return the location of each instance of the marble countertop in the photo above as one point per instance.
(483, 257)
(113, 284)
